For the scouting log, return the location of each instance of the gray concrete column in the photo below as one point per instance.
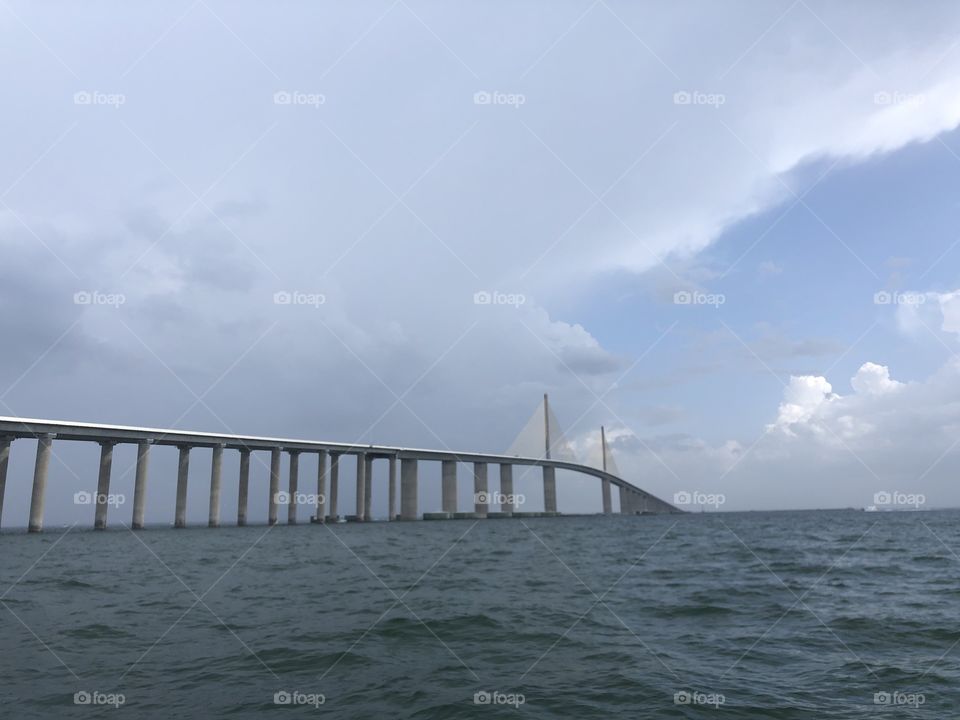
(623, 501)
(320, 514)
(408, 489)
(506, 489)
(243, 494)
(607, 500)
(448, 486)
(183, 469)
(39, 482)
(549, 489)
(140, 484)
(392, 494)
(481, 495)
(293, 487)
(361, 484)
(103, 486)
(4, 462)
(274, 485)
(368, 488)
(216, 463)
(334, 486)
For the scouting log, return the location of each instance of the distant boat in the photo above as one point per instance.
(870, 508)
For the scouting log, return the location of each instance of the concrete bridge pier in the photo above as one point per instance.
(506, 489)
(243, 492)
(368, 488)
(481, 496)
(408, 489)
(361, 486)
(607, 500)
(623, 500)
(183, 469)
(549, 489)
(320, 514)
(216, 464)
(448, 486)
(103, 486)
(334, 486)
(140, 484)
(274, 485)
(293, 486)
(4, 462)
(392, 510)
(39, 482)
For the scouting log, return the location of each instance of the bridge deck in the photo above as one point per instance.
(15, 427)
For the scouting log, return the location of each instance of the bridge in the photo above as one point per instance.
(633, 500)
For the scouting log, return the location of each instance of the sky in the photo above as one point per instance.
(725, 232)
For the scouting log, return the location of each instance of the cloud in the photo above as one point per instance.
(921, 314)
(802, 398)
(873, 379)
(399, 198)
(824, 449)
